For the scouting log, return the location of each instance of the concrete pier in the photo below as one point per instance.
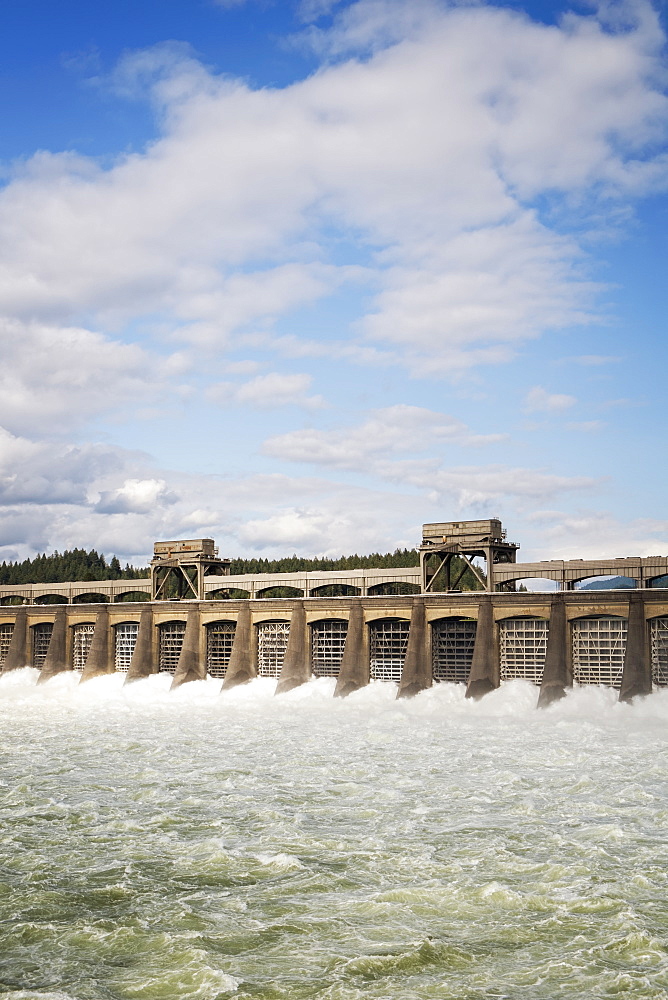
(484, 675)
(354, 669)
(417, 672)
(143, 660)
(241, 667)
(297, 663)
(100, 659)
(637, 676)
(557, 674)
(191, 666)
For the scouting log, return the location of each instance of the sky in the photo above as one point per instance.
(301, 275)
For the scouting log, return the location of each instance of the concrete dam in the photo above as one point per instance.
(412, 626)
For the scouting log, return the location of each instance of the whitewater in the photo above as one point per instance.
(192, 845)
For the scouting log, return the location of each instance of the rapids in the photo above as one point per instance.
(185, 845)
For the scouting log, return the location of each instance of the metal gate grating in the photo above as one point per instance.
(272, 641)
(219, 642)
(328, 639)
(659, 645)
(598, 650)
(171, 641)
(388, 644)
(41, 637)
(523, 648)
(452, 642)
(6, 632)
(126, 640)
(83, 637)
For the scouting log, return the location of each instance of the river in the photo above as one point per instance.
(185, 845)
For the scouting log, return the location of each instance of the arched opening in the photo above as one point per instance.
(658, 636)
(388, 642)
(272, 641)
(6, 633)
(51, 599)
(169, 646)
(219, 642)
(40, 639)
(522, 648)
(125, 640)
(228, 594)
(280, 592)
(658, 581)
(452, 642)
(605, 583)
(532, 585)
(328, 640)
(82, 637)
(132, 597)
(335, 590)
(394, 588)
(598, 644)
(90, 599)
(12, 600)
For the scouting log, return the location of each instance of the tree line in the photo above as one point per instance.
(68, 566)
(296, 564)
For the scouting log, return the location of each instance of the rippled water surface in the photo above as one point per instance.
(188, 845)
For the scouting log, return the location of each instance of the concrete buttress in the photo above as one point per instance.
(100, 655)
(417, 673)
(556, 674)
(484, 676)
(354, 669)
(56, 657)
(18, 654)
(296, 667)
(241, 667)
(190, 666)
(141, 664)
(637, 675)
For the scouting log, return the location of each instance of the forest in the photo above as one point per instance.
(63, 567)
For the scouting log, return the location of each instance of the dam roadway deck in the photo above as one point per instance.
(645, 572)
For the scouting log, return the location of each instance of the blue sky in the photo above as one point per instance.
(303, 275)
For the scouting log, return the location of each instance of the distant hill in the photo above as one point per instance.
(616, 583)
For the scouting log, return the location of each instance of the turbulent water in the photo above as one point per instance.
(164, 846)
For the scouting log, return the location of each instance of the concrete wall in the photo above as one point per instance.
(651, 604)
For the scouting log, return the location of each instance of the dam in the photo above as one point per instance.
(412, 626)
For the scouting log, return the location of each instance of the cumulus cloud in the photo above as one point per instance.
(55, 378)
(428, 154)
(597, 534)
(393, 429)
(265, 392)
(539, 400)
(374, 449)
(135, 496)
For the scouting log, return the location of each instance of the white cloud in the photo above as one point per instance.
(430, 151)
(55, 378)
(372, 449)
(135, 496)
(588, 534)
(265, 392)
(539, 400)
(392, 430)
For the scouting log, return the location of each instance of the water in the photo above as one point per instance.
(158, 845)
